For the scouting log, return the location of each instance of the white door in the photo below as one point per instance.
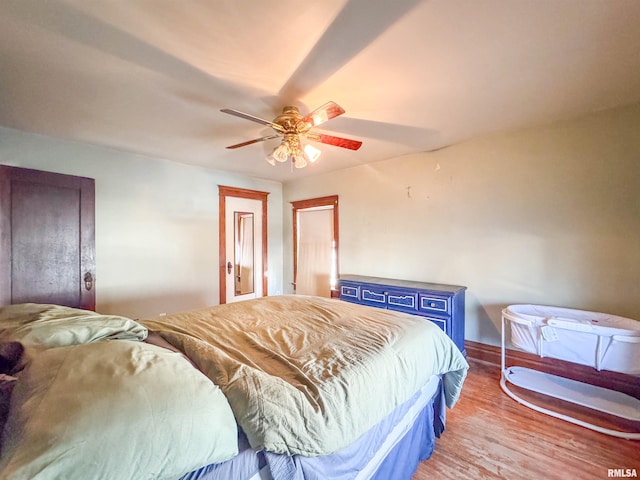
(315, 246)
(243, 239)
(316, 252)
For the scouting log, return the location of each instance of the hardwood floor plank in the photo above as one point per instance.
(491, 436)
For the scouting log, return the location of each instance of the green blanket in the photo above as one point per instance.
(114, 410)
(47, 326)
(308, 375)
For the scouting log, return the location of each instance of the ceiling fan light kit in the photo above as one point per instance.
(293, 127)
(291, 149)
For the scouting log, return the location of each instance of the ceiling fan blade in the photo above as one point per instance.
(256, 140)
(246, 116)
(323, 114)
(336, 141)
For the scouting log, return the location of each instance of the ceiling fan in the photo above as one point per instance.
(293, 127)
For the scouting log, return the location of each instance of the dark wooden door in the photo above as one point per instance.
(47, 238)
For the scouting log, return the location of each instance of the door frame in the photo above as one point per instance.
(223, 193)
(330, 200)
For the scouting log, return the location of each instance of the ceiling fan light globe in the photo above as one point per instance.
(311, 152)
(271, 160)
(280, 153)
(299, 161)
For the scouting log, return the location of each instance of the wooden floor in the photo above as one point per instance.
(491, 436)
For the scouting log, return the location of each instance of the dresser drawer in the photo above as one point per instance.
(350, 292)
(402, 301)
(389, 298)
(440, 322)
(373, 296)
(435, 304)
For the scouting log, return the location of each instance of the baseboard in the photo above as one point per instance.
(606, 379)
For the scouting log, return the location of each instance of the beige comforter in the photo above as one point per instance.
(308, 375)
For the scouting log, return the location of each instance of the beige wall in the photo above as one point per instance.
(548, 215)
(156, 223)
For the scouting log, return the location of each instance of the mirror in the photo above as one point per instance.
(243, 246)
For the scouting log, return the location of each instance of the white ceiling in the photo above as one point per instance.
(150, 76)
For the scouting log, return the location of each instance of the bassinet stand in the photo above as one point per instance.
(587, 395)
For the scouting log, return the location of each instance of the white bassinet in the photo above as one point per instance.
(599, 340)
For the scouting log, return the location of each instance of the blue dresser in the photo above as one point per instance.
(441, 304)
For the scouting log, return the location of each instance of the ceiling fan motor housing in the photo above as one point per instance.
(290, 121)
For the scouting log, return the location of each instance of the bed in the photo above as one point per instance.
(286, 387)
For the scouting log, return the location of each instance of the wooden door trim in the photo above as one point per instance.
(330, 200)
(88, 239)
(5, 237)
(223, 193)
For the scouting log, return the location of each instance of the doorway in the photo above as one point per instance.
(315, 246)
(243, 244)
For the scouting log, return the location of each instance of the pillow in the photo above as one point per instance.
(114, 410)
(42, 325)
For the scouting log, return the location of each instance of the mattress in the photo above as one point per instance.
(407, 433)
(247, 465)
